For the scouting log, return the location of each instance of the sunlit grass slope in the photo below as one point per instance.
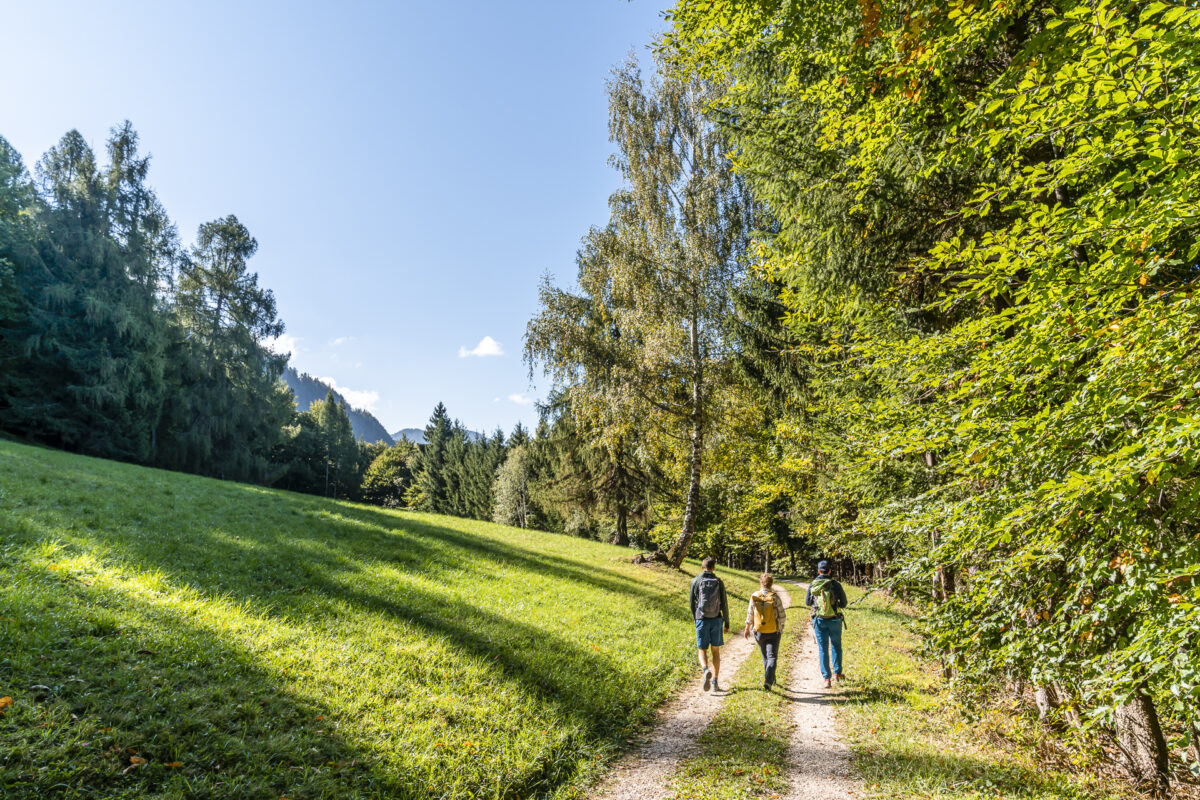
(165, 635)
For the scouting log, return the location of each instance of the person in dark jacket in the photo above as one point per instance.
(710, 609)
(827, 598)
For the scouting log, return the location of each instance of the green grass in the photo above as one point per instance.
(743, 753)
(252, 643)
(909, 741)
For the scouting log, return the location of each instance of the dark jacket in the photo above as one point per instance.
(839, 595)
(696, 598)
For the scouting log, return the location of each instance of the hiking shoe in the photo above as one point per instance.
(716, 688)
(708, 679)
(828, 684)
(841, 677)
(766, 686)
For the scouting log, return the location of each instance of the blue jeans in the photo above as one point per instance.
(768, 643)
(829, 632)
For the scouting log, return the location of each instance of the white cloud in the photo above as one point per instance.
(283, 344)
(487, 347)
(495, 399)
(365, 399)
(341, 340)
(520, 399)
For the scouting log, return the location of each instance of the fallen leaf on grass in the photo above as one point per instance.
(5, 702)
(134, 763)
(175, 764)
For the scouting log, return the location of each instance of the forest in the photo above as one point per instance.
(909, 287)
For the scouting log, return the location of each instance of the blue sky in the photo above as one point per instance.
(410, 170)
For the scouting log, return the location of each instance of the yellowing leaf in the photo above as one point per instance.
(5, 702)
(138, 760)
(1143, 280)
(175, 764)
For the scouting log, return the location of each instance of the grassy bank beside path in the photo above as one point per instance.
(743, 752)
(909, 742)
(169, 636)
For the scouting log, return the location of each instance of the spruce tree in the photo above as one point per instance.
(429, 491)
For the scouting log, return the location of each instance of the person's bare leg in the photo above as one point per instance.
(716, 663)
(702, 656)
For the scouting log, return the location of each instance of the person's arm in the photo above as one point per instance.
(724, 606)
(692, 598)
(750, 612)
(842, 601)
(780, 613)
(808, 601)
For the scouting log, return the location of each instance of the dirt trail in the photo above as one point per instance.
(817, 756)
(643, 772)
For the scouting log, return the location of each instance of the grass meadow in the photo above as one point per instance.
(170, 636)
(910, 741)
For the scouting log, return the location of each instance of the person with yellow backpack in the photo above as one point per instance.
(827, 598)
(766, 617)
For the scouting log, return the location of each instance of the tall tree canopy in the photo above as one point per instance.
(645, 335)
(988, 233)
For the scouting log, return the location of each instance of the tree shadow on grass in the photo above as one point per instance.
(101, 681)
(290, 568)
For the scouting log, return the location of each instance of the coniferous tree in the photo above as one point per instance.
(336, 438)
(231, 409)
(429, 491)
(93, 342)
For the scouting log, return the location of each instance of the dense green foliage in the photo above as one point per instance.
(247, 642)
(987, 247)
(117, 341)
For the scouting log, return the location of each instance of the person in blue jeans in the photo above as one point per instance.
(827, 598)
(710, 608)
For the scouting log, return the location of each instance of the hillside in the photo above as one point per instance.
(308, 390)
(173, 636)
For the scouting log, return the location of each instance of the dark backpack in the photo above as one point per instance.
(709, 604)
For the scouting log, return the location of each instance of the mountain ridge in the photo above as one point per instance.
(308, 390)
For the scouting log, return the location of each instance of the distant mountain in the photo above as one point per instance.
(417, 435)
(308, 390)
(414, 435)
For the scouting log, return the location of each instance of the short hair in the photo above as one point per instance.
(708, 563)
(766, 580)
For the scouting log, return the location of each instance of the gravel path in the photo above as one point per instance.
(819, 759)
(642, 774)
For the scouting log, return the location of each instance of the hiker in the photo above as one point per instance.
(827, 598)
(765, 617)
(710, 609)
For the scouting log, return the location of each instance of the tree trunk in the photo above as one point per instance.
(1046, 699)
(679, 549)
(1195, 741)
(621, 534)
(1141, 740)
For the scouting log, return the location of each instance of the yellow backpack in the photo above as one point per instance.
(764, 612)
